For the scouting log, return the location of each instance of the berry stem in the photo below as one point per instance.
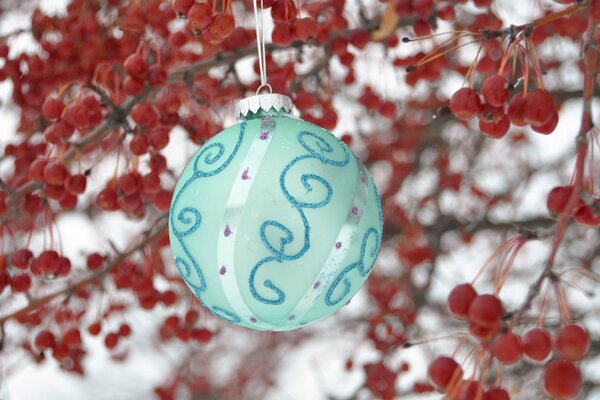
(590, 74)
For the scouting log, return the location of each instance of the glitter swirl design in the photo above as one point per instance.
(318, 148)
(209, 162)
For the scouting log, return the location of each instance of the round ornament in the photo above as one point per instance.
(275, 223)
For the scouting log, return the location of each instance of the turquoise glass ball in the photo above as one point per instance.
(275, 223)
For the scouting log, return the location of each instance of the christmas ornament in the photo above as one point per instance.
(274, 223)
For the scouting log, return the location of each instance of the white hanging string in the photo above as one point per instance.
(260, 45)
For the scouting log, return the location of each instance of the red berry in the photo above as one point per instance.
(44, 340)
(558, 198)
(95, 261)
(222, 25)
(497, 393)
(150, 183)
(20, 283)
(539, 106)
(494, 90)
(485, 310)
(304, 28)
(54, 192)
(36, 170)
(72, 338)
(562, 379)
(484, 333)
(537, 344)
(76, 184)
(162, 200)
(52, 108)
(359, 38)
(168, 103)
(191, 317)
(465, 103)
(55, 174)
(588, 216)
(124, 330)
(202, 335)
(144, 114)
(33, 204)
(444, 371)
(549, 126)
(158, 163)
(129, 183)
(68, 201)
(64, 266)
(459, 300)
(283, 10)
(139, 144)
(157, 76)
(168, 298)
(95, 328)
(21, 258)
(107, 200)
(111, 340)
(133, 86)
(159, 138)
(135, 65)
(572, 342)
(199, 17)
(422, 28)
(281, 34)
(516, 110)
(181, 7)
(46, 263)
(494, 129)
(507, 348)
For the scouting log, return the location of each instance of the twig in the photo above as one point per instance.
(590, 73)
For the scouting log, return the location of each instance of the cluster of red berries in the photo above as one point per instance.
(59, 185)
(372, 102)
(48, 264)
(129, 191)
(67, 349)
(140, 74)
(185, 329)
(129, 275)
(586, 213)
(484, 313)
(204, 21)
(498, 110)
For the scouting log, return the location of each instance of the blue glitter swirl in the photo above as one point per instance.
(187, 220)
(191, 217)
(362, 267)
(318, 148)
(226, 315)
(208, 158)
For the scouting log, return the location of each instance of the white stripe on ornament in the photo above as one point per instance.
(339, 249)
(232, 218)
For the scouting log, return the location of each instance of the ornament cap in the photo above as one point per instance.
(263, 102)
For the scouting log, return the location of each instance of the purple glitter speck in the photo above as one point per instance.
(316, 285)
(363, 179)
(252, 319)
(245, 175)
(355, 210)
(227, 231)
(263, 135)
(223, 270)
(291, 317)
(338, 245)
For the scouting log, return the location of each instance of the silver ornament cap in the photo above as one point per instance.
(265, 102)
